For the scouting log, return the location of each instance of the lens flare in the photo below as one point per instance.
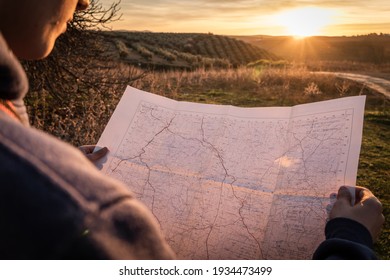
(305, 22)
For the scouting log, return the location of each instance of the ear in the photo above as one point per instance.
(82, 5)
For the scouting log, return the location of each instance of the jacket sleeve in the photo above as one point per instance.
(346, 239)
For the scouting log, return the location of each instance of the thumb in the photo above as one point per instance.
(344, 195)
(342, 204)
(98, 154)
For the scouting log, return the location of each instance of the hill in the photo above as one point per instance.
(371, 48)
(182, 50)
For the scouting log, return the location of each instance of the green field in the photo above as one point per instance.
(93, 83)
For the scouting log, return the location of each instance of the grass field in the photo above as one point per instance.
(80, 119)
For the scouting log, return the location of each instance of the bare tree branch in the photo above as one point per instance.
(96, 16)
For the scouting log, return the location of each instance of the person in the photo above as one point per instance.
(54, 203)
(353, 226)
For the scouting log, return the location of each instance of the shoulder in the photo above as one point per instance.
(54, 203)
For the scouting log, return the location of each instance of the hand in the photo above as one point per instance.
(367, 209)
(87, 150)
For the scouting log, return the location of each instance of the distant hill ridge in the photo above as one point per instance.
(372, 48)
(185, 50)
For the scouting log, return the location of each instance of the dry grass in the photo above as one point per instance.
(259, 87)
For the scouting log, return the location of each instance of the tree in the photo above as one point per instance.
(96, 16)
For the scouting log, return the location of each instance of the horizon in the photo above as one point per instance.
(303, 18)
(250, 35)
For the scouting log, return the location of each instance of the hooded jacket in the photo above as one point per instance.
(54, 203)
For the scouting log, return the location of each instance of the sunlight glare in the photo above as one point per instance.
(305, 22)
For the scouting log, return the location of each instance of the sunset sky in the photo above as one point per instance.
(256, 17)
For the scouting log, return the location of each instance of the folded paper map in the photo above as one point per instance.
(226, 182)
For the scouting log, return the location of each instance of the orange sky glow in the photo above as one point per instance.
(254, 17)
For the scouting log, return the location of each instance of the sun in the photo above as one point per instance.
(304, 22)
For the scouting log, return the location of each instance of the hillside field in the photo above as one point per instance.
(187, 51)
(371, 48)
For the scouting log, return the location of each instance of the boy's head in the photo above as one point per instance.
(31, 27)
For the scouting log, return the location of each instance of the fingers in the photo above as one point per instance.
(87, 149)
(94, 156)
(361, 193)
(373, 207)
(343, 204)
(373, 203)
(344, 195)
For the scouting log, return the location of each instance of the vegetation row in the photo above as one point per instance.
(187, 49)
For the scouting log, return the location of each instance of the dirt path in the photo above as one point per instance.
(378, 84)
